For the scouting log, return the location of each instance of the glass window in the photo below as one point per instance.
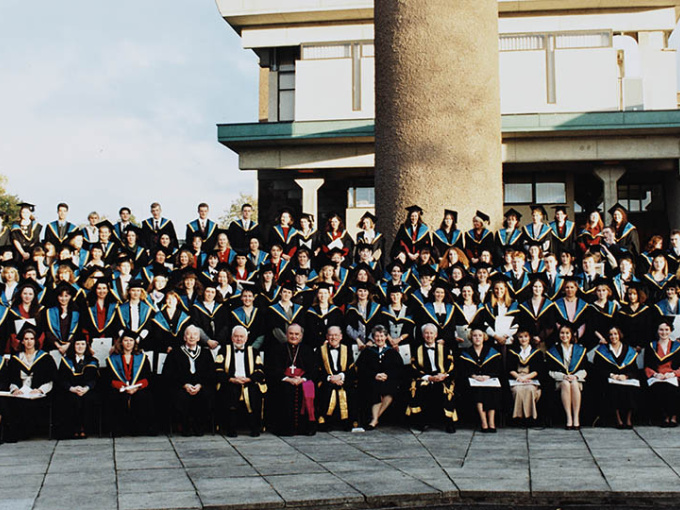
(551, 193)
(326, 51)
(286, 81)
(367, 50)
(518, 193)
(584, 40)
(361, 197)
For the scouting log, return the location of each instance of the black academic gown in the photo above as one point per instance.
(292, 406)
(615, 397)
(74, 413)
(431, 402)
(231, 396)
(336, 403)
(193, 410)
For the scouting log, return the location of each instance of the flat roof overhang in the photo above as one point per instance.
(531, 125)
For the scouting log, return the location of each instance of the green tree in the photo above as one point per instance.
(233, 212)
(9, 204)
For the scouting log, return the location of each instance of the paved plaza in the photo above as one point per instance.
(389, 467)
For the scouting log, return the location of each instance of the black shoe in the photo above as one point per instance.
(231, 433)
(369, 427)
(255, 433)
(450, 429)
(492, 430)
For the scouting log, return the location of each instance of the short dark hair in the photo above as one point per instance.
(62, 204)
(124, 209)
(246, 205)
(203, 204)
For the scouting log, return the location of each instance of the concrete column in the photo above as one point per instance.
(310, 202)
(610, 176)
(438, 120)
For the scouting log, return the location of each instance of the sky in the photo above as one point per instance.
(105, 104)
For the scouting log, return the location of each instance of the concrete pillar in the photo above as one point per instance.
(438, 119)
(310, 187)
(610, 176)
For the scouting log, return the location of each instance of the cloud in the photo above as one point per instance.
(107, 106)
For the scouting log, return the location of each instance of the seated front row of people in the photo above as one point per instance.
(300, 388)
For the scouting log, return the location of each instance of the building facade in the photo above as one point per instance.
(588, 96)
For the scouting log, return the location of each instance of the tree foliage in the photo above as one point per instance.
(9, 204)
(233, 212)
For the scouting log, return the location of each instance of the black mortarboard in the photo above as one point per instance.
(396, 263)
(368, 215)
(363, 285)
(570, 278)
(209, 284)
(105, 223)
(307, 216)
(29, 282)
(133, 228)
(392, 289)
(127, 332)
(664, 319)
(562, 208)
(136, 284)
(289, 285)
(426, 270)
(67, 263)
(656, 253)
(26, 205)
(123, 257)
(65, 287)
(513, 212)
(266, 268)
(540, 208)
(600, 280)
(364, 246)
(619, 207)
(334, 251)
(74, 234)
(414, 208)
(498, 277)
(482, 216)
(454, 214)
(483, 265)
(439, 284)
(285, 210)
(324, 285)
(25, 327)
(534, 277)
(167, 251)
(302, 271)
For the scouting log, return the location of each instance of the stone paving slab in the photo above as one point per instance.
(389, 467)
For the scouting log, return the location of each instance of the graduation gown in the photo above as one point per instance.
(168, 332)
(637, 326)
(563, 237)
(57, 236)
(359, 325)
(215, 324)
(73, 412)
(508, 239)
(578, 362)
(209, 235)
(443, 240)
(27, 239)
(475, 243)
(377, 244)
(411, 240)
(398, 324)
(58, 331)
(616, 396)
(333, 401)
(230, 395)
(445, 322)
(100, 325)
(373, 361)
(627, 237)
(487, 362)
(129, 412)
(317, 324)
(278, 321)
(543, 237)
(664, 396)
(253, 322)
(239, 236)
(178, 372)
(580, 317)
(292, 407)
(151, 235)
(541, 322)
(429, 400)
(286, 237)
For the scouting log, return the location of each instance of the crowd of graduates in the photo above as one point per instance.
(297, 328)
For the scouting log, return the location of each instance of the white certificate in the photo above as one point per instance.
(627, 382)
(654, 380)
(492, 382)
(531, 382)
(405, 352)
